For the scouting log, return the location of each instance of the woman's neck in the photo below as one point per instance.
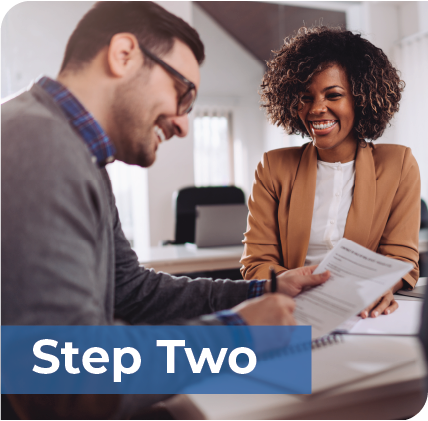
(344, 152)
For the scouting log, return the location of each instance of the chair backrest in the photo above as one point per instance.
(424, 214)
(185, 207)
(423, 332)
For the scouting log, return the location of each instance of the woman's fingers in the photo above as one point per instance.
(386, 303)
(381, 306)
(392, 307)
(366, 311)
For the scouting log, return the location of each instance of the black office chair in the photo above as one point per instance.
(188, 198)
(423, 256)
(423, 333)
(424, 214)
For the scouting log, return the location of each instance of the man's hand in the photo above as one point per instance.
(267, 310)
(294, 281)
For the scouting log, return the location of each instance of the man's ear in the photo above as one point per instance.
(124, 55)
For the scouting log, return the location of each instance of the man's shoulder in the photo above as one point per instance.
(37, 139)
(26, 112)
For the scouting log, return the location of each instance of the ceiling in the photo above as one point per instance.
(261, 27)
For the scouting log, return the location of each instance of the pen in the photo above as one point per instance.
(272, 280)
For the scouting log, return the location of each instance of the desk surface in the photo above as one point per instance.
(188, 258)
(399, 393)
(395, 394)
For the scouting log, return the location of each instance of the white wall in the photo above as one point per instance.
(230, 78)
(33, 40)
(34, 36)
(173, 168)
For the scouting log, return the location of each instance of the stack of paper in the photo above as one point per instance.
(358, 277)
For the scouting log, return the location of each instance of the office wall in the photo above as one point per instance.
(230, 79)
(33, 39)
(173, 168)
(385, 24)
(34, 35)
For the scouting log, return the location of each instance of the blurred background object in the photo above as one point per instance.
(229, 131)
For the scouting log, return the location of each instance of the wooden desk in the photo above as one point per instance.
(396, 394)
(175, 259)
(399, 393)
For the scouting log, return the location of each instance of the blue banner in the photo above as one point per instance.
(155, 359)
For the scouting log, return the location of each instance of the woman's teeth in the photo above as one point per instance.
(323, 125)
(160, 133)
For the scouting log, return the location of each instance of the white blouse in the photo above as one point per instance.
(333, 198)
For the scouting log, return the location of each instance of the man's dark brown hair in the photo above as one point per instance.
(153, 26)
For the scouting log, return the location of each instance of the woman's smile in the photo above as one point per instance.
(327, 111)
(323, 127)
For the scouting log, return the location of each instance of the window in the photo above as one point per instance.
(130, 189)
(411, 56)
(213, 148)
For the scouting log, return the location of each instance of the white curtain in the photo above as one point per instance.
(130, 189)
(213, 148)
(411, 58)
(5, 56)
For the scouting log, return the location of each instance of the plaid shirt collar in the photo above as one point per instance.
(101, 147)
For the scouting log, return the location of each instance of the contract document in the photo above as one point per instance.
(358, 277)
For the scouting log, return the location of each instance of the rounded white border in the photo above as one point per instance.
(5, 6)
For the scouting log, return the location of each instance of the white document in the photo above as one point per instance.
(354, 360)
(406, 320)
(358, 277)
(351, 359)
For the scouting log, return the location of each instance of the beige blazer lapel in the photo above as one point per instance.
(301, 208)
(361, 212)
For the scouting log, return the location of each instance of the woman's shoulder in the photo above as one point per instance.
(287, 155)
(392, 155)
(394, 161)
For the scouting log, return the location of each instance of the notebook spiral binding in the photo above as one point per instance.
(326, 340)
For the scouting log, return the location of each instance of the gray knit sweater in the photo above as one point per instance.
(65, 260)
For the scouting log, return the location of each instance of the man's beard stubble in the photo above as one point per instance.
(134, 136)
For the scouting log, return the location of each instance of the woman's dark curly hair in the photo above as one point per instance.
(375, 84)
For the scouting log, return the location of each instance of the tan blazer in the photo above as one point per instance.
(384, 215)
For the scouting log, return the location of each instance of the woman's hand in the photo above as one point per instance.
(294, 281)
(384, 305)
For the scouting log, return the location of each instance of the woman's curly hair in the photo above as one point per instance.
(375, 84)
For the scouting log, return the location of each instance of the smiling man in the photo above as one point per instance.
(129, 78)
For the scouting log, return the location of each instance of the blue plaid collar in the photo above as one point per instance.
(101, 147)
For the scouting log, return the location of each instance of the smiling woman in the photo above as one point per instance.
(341, 91)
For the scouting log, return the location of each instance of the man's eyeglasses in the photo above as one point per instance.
(185, 101)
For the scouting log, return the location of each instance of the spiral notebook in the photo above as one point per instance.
(336, 361)
(406, 320)
(341, 359)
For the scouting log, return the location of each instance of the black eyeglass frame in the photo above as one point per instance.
(190, 85)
